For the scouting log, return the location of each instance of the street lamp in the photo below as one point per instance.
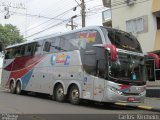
(72, 26)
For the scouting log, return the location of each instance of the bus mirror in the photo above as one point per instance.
(113, 51)
(156, 57)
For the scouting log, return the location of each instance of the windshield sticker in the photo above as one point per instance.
(89, 36)
(128, 47)
(134, 77)
(60, 58)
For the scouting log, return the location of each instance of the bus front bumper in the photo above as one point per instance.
(116, 96)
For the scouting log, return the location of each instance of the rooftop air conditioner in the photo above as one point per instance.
(130, 2)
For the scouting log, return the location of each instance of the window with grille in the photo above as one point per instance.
(137, 25)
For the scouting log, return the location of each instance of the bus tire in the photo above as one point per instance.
(18, 88)
(12, 88)
(59, 93)
(74, 95)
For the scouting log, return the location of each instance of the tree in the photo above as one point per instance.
(9, 35)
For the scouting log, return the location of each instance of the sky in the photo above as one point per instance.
(41, 13)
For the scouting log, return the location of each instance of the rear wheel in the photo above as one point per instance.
(74, 95)
(12, 88)
(18, 88)
(59, 93)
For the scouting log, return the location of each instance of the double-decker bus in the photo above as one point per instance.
(94, 63)
(153, 72)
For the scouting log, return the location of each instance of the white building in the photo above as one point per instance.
(1, 62)
(140, 17)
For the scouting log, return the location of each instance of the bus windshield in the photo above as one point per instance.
(122, 40)
(127, 68)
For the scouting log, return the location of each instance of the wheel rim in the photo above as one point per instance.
(60, 93)
(75, 95)
(18, 89)
(12, 86)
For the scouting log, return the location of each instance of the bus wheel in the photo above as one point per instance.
(12, 88)
(59, 93)
(18, 88)
(74, 95)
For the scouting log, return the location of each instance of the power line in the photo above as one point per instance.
(50, 26)
(47, 28)
(55, 25)
(32, 15)
(50, 19)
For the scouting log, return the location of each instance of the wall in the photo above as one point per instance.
(121, 13)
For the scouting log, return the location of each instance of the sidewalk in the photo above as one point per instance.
(151, 104)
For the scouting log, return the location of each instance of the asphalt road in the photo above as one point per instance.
(40, 104)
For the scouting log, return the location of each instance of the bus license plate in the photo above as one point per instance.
(131, 99)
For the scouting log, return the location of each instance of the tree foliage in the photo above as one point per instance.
(10, 35)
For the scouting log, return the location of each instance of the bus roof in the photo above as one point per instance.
(54, 35)
(60, 34)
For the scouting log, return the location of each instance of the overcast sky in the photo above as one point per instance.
(28, 25)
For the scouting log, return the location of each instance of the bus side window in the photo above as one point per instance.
(47, 46)
(18, 51)
(52, 45)
(30, 49)
(101, 66)
(22, 50)
(9, 53)
(70, 42)
(92, 62)
(63, 43)
(38, 47)
(55, 44)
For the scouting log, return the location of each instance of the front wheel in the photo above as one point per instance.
(74, 95)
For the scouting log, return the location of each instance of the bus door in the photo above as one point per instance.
(95, 66)
(101, 71)
(93, 60)
(89, 67)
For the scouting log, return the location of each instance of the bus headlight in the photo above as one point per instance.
(115, 90)
(142, 93)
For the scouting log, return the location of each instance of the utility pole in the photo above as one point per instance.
(8, 5)
(7, 15)
(72, 25)
(83, 13)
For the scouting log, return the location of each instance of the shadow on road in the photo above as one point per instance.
(84, 103)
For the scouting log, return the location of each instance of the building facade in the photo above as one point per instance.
(139, 17)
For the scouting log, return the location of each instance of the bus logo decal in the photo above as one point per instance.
(60, 58)
(89, 36)
(53, 59)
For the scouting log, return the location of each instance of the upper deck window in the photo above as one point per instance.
(9, 53)
(122, 39)
(22, 50)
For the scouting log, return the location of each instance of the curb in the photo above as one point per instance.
(142, 107)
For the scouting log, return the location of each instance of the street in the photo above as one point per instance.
(33, 104)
